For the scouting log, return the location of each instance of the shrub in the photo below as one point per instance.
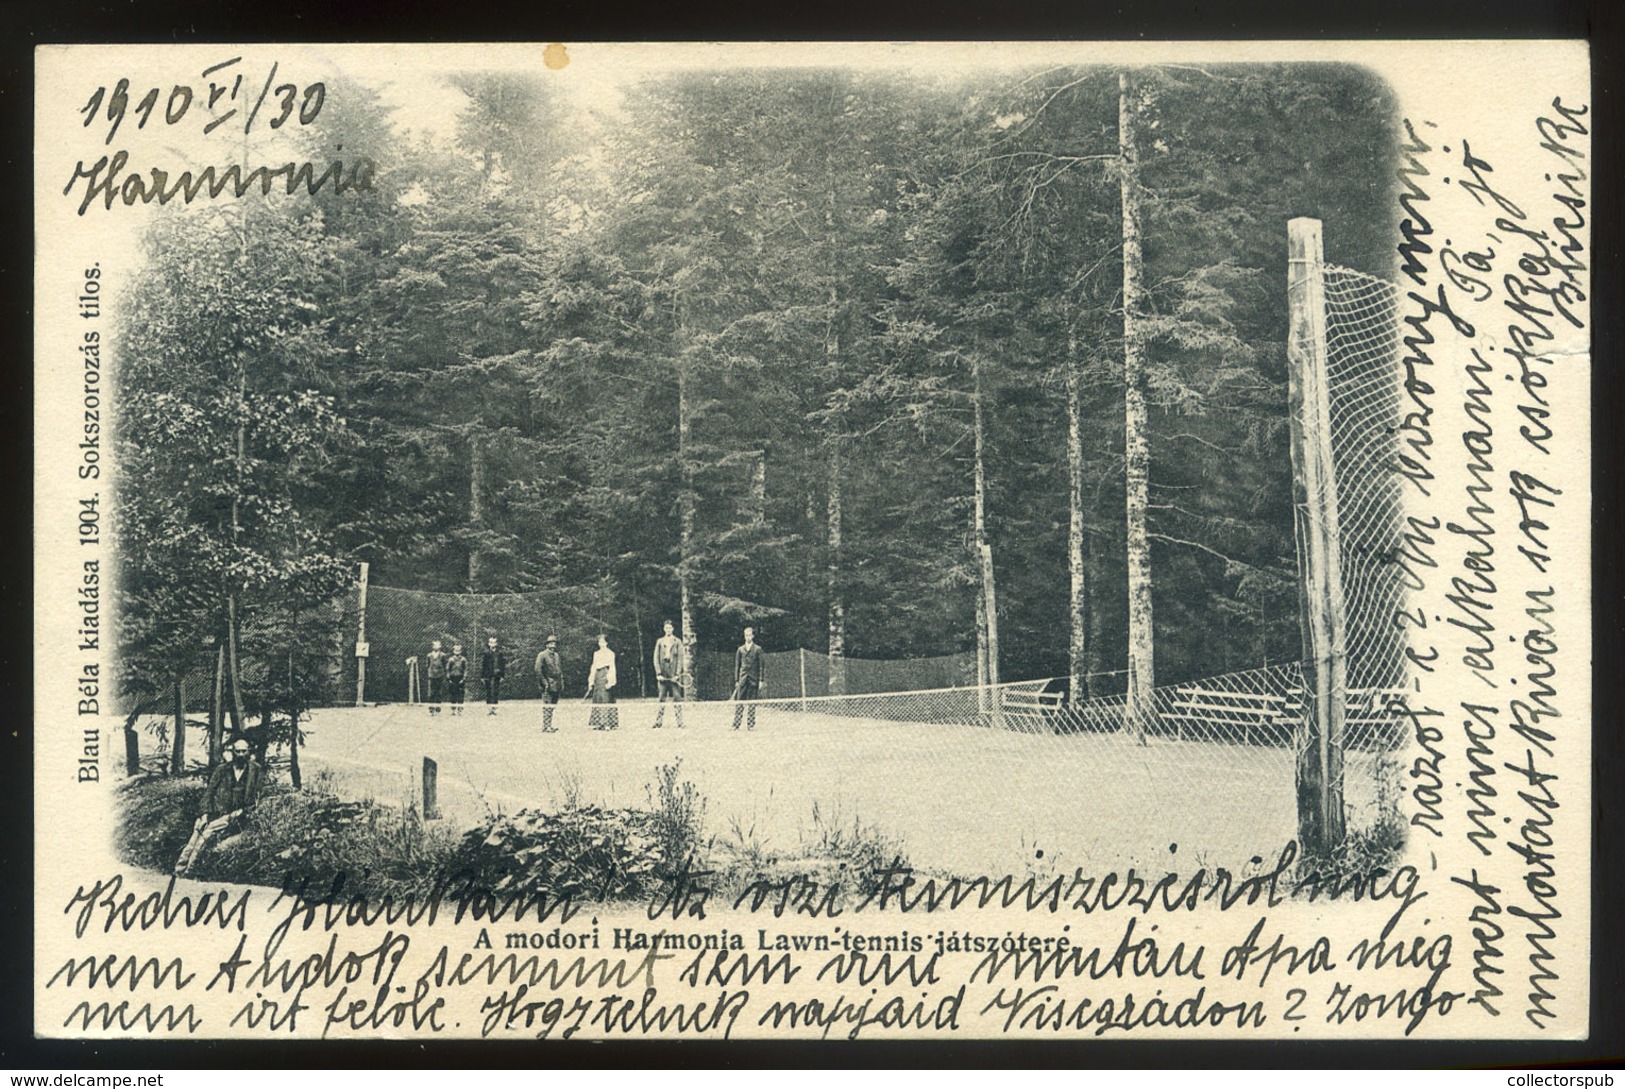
(678, 812)
(580, 853)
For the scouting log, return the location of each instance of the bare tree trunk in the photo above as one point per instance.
(233, 617)
(685, 541)
(758, 488)
(1141, 663)
(1078, 643)
(1095, 665)
(981, 635)
(987, 634)
(476, 511)
(837, 606)
(637, 624)
(233, 627)
(832, 365)
(217, 707)
(294, 774)
(177, 743)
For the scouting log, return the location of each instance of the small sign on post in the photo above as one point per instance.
(361, 640)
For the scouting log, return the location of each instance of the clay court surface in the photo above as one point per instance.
(962, 799)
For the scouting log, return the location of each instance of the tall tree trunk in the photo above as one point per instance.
(1076, 556)
(234, 595)
(637, 625)
(685, 503)
(476, 512)
(217, 707)
(177, 743)
(758, 488)
(1141, 664)
(834, 512)
(233, 630)
(294, 774)
(1095, 666)
(987, 634)
(832, 571)
(981, 631)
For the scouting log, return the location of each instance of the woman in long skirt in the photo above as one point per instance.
(601, 684)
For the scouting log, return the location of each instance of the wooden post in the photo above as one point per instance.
(1320, 583)
(361, 642)
(801, 655)
(431, 790)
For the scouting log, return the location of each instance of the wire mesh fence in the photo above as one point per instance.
(1364, 386)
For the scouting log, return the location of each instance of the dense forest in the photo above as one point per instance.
(775, 347)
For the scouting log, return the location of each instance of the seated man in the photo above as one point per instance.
(233, 787)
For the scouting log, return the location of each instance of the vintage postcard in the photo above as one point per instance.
(813, 541)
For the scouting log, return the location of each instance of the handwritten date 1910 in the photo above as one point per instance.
(220, 100)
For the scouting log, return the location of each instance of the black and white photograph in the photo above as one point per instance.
(813, 542)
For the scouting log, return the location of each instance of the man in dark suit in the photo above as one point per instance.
(747, 678)
(456, 677)
(669, 670)
(550, 677)
(493, 667)
(233, 788)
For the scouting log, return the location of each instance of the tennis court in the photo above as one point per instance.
(963, 799)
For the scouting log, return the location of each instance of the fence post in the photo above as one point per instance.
(1320, 582)
(361, 647)
(431, 790)
(132, 747)
(801, 655)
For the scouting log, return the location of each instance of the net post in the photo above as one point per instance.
(361, 641)
(1320, 586)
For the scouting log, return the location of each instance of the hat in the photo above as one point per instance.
(551, 639)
